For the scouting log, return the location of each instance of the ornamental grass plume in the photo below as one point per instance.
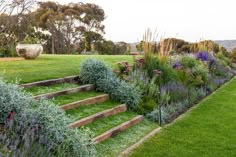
(149, 39)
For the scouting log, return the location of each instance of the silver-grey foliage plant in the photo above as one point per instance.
(96, 72)
(44, 118)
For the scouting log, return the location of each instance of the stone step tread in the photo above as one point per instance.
(67, 79)
(88, 87)
(88, 101)
(102, 114)
(116, 130)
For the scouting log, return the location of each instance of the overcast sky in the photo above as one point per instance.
(192, 20)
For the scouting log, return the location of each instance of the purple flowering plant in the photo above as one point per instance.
(177, 65)
(203, 56)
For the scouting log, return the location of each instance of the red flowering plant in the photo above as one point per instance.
(123, 69)
(9, 120)
(139, 62)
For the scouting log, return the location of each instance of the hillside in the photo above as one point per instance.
(228, 44)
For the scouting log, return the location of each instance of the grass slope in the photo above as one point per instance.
(209, 130)
(48, 89)
(51, 66)
(68, 98)
(104, 124)
(87, 110)
(112, 146)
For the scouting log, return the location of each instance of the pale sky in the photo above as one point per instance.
(191, 20)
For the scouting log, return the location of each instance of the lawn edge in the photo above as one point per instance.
(187, 112)
(128, 150)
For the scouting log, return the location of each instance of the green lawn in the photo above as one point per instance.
(209, 130)
(51, 66)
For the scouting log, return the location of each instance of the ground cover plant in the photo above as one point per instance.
(207, 130)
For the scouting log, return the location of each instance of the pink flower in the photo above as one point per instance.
(157, 72)
(11, 116)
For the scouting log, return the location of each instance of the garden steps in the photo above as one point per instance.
(73, 97)
(38, 90)
(112, 147)
(69, 79)
(101, 125)
(82, 88)
(87, 101)
(98, 115)
(116, 130)
(88, 110)
(115, 118)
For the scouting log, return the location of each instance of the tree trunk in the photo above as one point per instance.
(53, 50)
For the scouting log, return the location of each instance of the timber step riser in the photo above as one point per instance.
(88, 101)
(114, 131)
(106, 113)
(67, 91)
(70, 79)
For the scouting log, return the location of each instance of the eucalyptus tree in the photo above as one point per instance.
(69, 23)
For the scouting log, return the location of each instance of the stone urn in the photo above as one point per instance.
(29, 51)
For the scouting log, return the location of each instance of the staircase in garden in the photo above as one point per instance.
(87, 107)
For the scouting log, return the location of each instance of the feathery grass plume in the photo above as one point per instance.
(149, 40)
(166, 46)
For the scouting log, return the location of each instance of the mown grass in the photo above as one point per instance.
(112, 146)
(209, 130)
(104, 124)
(87, 110)
(36, 90)
(68, 98)
(51, 66)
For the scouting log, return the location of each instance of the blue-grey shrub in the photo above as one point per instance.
(12, 98)
(92, 70)
(96, 72)
(54, 134)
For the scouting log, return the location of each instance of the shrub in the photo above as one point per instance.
(225, 60)
(188, 62)
(95, 72)
(92, 70)
(167, 111)
(31, 115)
(149, 90)
(176, 90)
(233, 55)
(200, 70)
